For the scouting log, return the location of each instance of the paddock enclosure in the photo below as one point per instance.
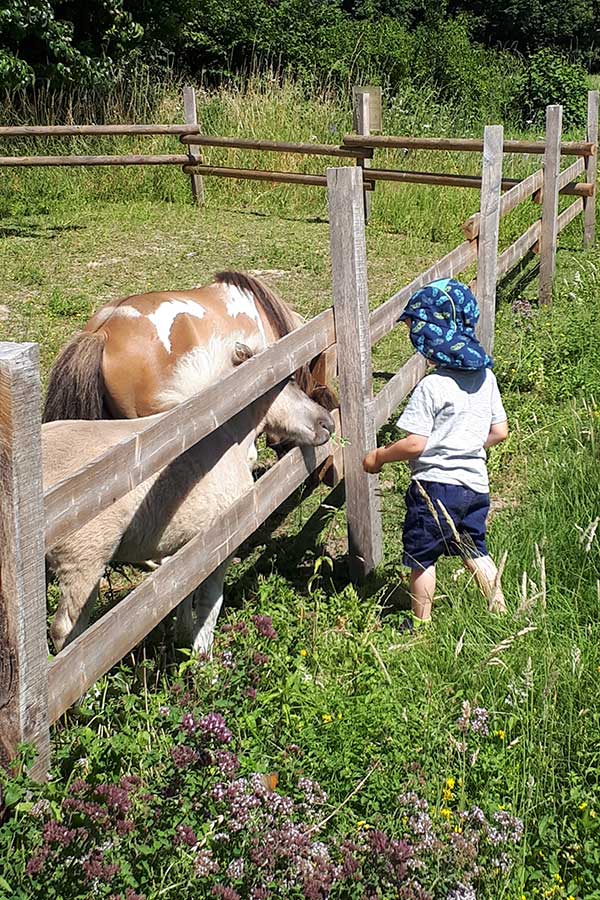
(35, 690)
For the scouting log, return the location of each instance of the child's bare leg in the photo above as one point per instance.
(422, 589)
(488, 581)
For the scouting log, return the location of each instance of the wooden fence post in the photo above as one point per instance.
(23, 645)
(489, 228)
(357, 408)
(191, 118)
(366, 117)
(591, 168)
(549, 232)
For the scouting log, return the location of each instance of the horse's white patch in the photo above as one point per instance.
(242, 303)
(163, 317)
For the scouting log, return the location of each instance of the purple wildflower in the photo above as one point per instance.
(189, 724)
(225, 893)
(227, 762)
(462, 892)
(185, 836)
(55, 833)
(116, 798)
(260, 659)
(184, 756)
(264, 626)
(204, 863)
(37, 862)
(97, 869)
(479, 721)
(235, 869)
(213, 725)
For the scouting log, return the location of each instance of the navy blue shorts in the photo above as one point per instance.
(425, 539)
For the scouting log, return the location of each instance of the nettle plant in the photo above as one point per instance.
(196, 819)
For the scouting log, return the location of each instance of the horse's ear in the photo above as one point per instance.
(241, 352)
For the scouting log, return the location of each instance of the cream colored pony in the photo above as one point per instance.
(163, 513)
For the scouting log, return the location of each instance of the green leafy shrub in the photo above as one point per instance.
(550, 78)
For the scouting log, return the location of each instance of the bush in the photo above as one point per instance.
(552, 79)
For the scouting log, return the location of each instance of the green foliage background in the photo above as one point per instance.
(455, 48)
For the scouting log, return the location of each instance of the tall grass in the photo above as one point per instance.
(267, 105)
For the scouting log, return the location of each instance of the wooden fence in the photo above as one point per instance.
(34, 690)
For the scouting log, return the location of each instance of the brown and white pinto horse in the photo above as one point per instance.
(145, 354)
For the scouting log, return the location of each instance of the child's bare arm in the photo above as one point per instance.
(409, 447)
(498, 433)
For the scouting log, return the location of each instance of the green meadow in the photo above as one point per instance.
(326, 750)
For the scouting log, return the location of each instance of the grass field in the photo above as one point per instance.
(315, 679)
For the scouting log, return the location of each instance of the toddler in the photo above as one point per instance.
(452, 417)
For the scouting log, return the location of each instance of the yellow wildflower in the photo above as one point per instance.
(583, 806)
(557, 878)
(446, 813)
(447, 795)
(593, 813)
(450, 782)
(360, 824)
(327, 719)
(501, 734)
(303, 652)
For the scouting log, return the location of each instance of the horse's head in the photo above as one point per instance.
(293, 418)
(287, 414)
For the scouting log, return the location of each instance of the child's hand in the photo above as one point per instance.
(370, 463)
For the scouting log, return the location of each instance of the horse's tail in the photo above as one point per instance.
(76, 386)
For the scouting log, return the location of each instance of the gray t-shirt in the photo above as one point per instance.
(454, 410)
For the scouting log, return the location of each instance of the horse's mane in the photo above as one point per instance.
(284, 320)
(279, 314)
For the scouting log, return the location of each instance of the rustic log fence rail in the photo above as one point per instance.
(35, 692)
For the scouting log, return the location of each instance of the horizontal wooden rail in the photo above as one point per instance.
(465, 181)
(128, 160)
(208, 140)
(567, 215)
(73, 502)
(393, 393)
(385, 317)
(571, 173)
(20, 131)
(509, 201)
(519, 249)
(261, 175)
(469, 145)
(81, 663)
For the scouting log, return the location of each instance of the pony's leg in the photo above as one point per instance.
(78, 567)
(197, 615)
(78, 597)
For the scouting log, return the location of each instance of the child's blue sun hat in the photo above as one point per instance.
(442, 317)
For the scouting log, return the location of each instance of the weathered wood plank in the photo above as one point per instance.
(73, 502)
(569, 174)
(489, 229)
(551, 188)
(191, 117)
(509, 201)
(74, 670)
(515, 253)
(361, 113)
(308, 149)
(591, 170)
(469, 145)
(165, 159)
(385, 317)
(570, 213)
(351, 312)
(397, 388)
(23, 646)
